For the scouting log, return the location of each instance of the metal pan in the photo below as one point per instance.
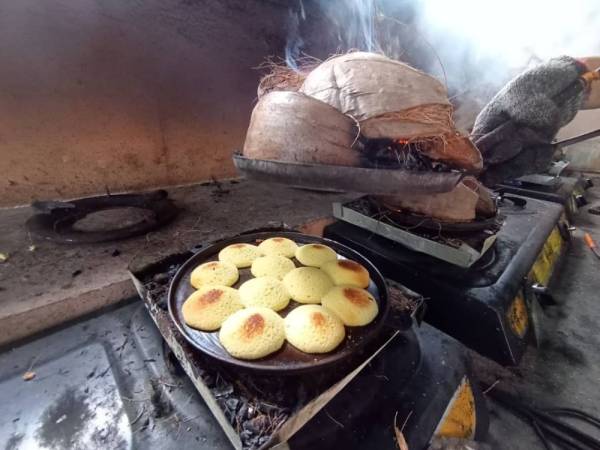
(347, 179)
(288, 360)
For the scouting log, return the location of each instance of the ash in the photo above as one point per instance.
(388, 154)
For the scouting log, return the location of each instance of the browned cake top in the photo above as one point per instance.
(350, 265)
(253, 326)
(357, 297)
(318, 319)
(210, 297)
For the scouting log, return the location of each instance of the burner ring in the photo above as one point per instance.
(56, 220)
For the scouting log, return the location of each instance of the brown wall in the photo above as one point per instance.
(126, 94)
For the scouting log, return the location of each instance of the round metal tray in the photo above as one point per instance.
(288, 359)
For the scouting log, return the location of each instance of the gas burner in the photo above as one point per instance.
(412, 221)
(526, 250)
(569, 192)
(78, 221)
(460, 244)
(255, 405)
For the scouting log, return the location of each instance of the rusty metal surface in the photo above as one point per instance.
(288, 360)
(348, 179)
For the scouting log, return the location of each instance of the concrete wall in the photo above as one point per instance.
(125, 95)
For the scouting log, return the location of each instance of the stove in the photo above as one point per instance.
(566, 191)
(110, 381)
(492, 305)
(419, 374)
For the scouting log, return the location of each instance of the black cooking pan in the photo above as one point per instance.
(288, 359)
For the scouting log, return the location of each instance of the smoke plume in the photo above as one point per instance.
(468, 44)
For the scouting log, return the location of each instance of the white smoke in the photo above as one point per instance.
(516, 32)
(472, 41)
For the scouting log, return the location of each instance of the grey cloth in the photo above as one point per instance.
(524, 116)
(536, 159)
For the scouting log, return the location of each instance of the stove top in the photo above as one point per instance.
(399, 379)
(476, 304)
(567, 191)
(111, 382)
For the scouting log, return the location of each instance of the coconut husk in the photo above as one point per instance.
(415, 123)
(392, 100)
(388, 98)
(280, 77)
(486, 206)
(292, 127)
(467, 201)
(453, 149)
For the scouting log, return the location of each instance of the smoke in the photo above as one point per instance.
(496, 40)
(516, 31)
(465, 43)
(294, 43)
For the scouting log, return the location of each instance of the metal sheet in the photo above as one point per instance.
(348, 179)
(463, 256)
(539, 179)
(580, 138)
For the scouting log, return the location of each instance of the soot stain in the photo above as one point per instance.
(57, 431)
(108, 437)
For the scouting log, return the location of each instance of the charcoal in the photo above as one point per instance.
(268, 408)
(243, 412)
(245, 435)
(209, 379)
(249, 427)
(259, 423)
(160, 278)
(230, 416)
(251, 412)
(223, 390)
(385, 153)
(232, 404)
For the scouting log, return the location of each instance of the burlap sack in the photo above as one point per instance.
(292, 127)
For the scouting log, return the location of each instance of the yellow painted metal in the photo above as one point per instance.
(544, 265)
(460, 418)
(517, 316)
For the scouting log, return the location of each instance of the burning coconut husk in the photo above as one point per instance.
(280, 77)
(292, 127)
(391, 100)
(468, 201)
(364, 109)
